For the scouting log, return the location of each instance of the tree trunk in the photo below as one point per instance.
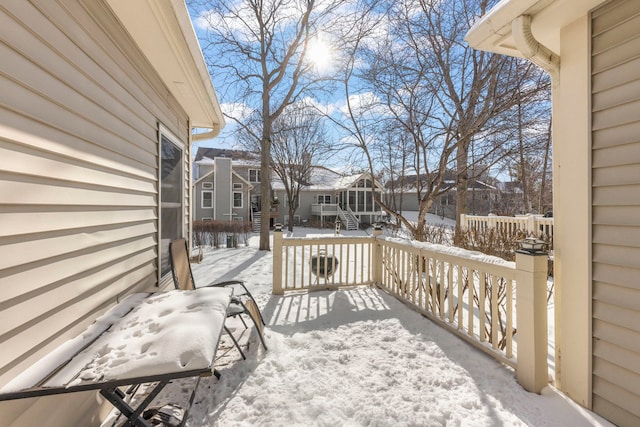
(543, 184)
(291, 215)
(265, 191)
(462, 179)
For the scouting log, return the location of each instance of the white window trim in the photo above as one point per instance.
(257, 175)
(237, 186)
(241, 200)
(173, 139)
(202, 206)
(324, 199)
(207, 185)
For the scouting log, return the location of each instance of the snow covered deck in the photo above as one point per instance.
(356, 357)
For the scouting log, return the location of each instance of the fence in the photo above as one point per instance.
(324, 263)
(536, 225)
(473, 297)
(470, 294)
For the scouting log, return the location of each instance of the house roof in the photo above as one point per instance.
(494, 31)
(408, 183)
(212, 153)
(320, 179)
(325, 179)
(164, 33)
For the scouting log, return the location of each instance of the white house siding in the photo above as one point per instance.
(616, 211)
(79, 115)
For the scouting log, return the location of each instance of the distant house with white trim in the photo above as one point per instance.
(325, 196)
(328, 195)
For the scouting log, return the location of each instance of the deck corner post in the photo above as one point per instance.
(531, 317)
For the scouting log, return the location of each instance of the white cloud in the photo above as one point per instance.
(238, 111)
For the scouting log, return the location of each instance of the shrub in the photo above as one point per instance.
(213, 233)
(495, 241)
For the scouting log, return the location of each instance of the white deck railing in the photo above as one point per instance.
(324, 209)
(470, 294)
(535, 225)
(325, 262)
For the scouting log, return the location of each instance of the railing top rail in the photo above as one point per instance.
(458, 256)
(545, 220)
(295, 241)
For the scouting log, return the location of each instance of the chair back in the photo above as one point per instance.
(180, 266)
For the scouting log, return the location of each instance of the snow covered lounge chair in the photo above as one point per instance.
(242, 301)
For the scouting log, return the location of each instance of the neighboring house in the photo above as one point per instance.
(98, 107)
(482, 197)
(591, 48)
(328, 195)
(246, 178)
(221, 194)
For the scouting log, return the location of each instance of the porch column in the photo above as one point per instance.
(531, 316)
(277, 260)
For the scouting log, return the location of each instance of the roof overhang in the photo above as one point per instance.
(493, 32)
(164, 33)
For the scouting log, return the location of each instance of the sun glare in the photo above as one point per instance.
(319, 54)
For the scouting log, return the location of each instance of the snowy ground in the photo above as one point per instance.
(355, 357)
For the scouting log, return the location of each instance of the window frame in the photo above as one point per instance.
(207, 185)
(257, 176)
(234, 200)
(324, 197)
(165, 135)
(202, 193)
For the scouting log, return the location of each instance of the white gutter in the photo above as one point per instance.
(206, 135)
(531, 49)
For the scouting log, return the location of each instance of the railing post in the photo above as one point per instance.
(463, 222)
(531, 315)
(531, 224)
(277, 260)
(377, 254)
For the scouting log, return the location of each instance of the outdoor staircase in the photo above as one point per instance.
(257, 216)
(349, 220)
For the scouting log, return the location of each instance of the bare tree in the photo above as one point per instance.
(258, 52)
(299, 139)
(422, 79)
(476, 90)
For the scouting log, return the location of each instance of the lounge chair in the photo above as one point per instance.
(242, 302)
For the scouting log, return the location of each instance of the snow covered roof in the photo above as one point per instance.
(325, 179)
(320, 179)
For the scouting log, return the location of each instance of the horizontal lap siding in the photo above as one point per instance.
(79, 114)
(616, 211)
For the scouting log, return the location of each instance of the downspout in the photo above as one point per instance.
(205, 135)
(531, 49)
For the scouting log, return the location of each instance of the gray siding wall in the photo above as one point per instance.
(246, 203)
(222, 195)
(307, 198)
(199, 211)
(79, 114)
(616, 211)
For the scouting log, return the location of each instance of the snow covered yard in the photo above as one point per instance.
(355, 357)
